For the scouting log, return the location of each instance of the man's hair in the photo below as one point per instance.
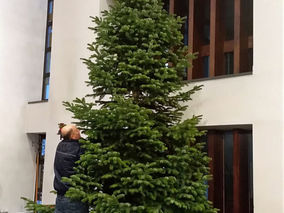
(66, 131)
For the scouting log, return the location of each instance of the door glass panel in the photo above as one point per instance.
(228, 167)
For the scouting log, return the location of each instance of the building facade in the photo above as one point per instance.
(240, 65)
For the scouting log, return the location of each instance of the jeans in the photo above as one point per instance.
(65, 205)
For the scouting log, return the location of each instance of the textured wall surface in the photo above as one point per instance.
(22, 35)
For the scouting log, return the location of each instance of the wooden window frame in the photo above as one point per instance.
(242, 201)
(218, 46)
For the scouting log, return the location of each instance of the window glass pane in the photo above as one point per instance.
(204, 140)
(250, 33)
(206, 22)
(47, 62)
(185, 74)
(228, 161)
(201, 38)
(250, 59)
(46, 89)
(232, 19)
(50, 11)
(236, 148)
(245, 170)
(181, 9)
(250, 173)
(50, 7)
(47, 92)
(49, 37)
(229, 63)
(202, 21)
(43, 147)
(206, 66)
(249, 6)
(185, 33)
(245, 40)
(40, 168)
(166, 5)
(228, 19)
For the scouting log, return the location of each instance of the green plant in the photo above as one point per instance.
(140, 156)
(34, 207)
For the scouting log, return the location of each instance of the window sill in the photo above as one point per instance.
(226, 127)
(36, 102)
(219, 77)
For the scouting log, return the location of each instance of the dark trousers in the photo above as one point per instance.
(65, 205)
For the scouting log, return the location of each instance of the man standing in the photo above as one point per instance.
(67, 153)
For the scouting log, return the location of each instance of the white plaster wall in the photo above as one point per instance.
(22, 35)
(258, 100)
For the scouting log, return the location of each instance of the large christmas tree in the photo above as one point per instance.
(140, 156)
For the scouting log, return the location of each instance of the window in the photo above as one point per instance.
(220, 31)
(47, 57)
(231, 189)
(40, 154)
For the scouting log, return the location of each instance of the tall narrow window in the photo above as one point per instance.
(221, 32)
(47, 57)
(39, 168)
(231, 188)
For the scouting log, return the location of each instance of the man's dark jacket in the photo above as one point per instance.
(67, 153)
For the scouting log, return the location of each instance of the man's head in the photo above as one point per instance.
(70, 132)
